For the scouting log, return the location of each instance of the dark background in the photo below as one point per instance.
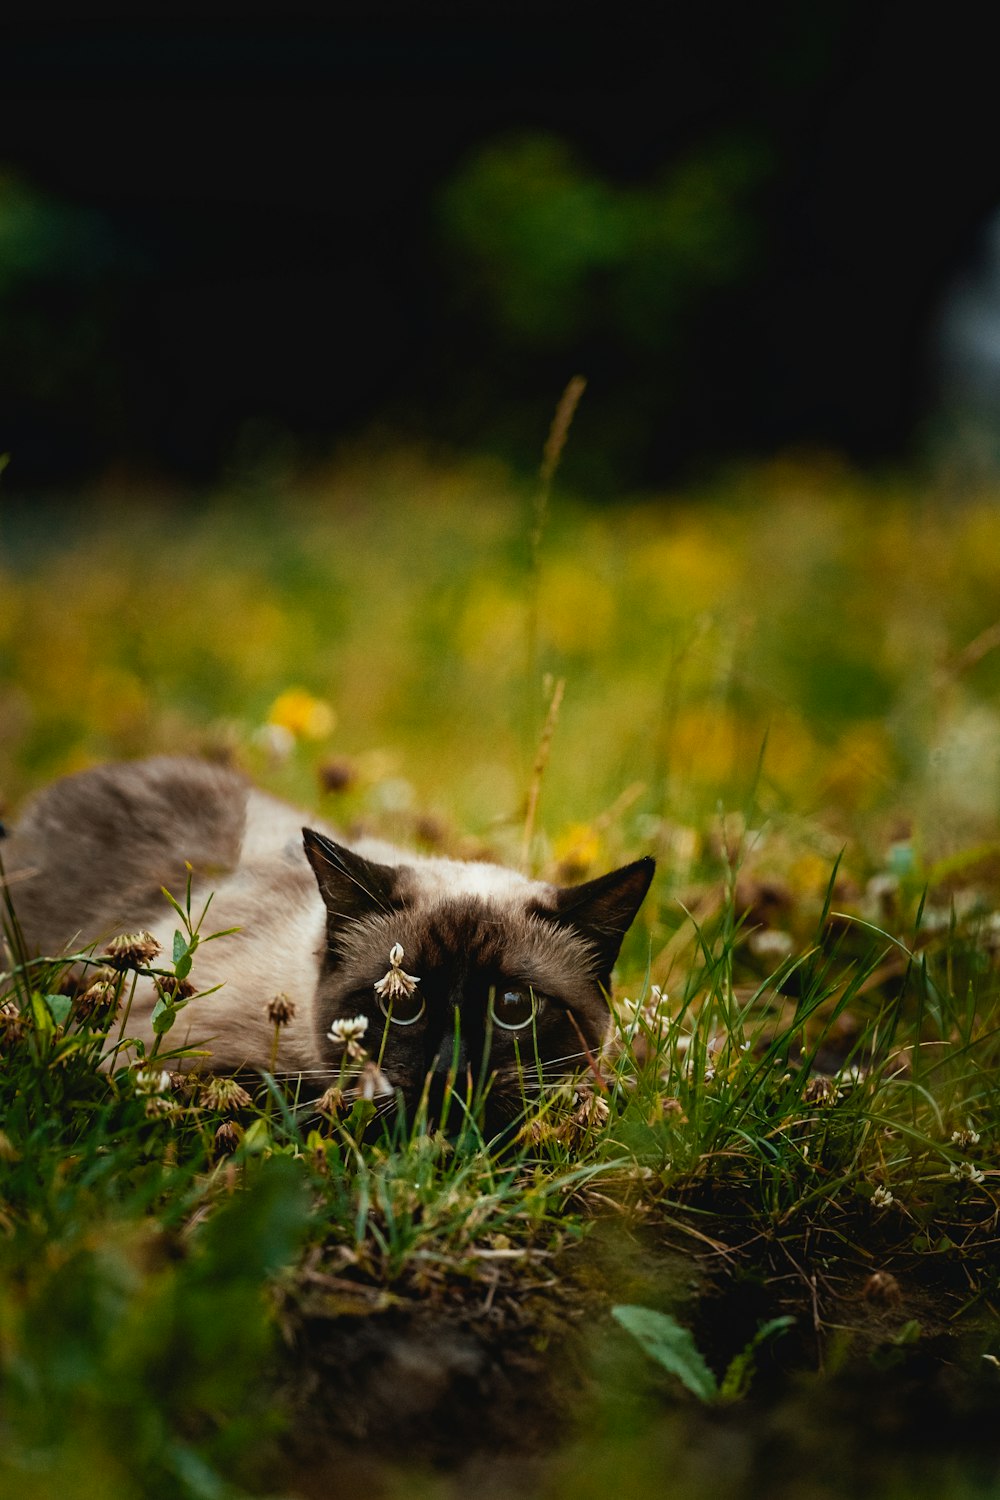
(237, 242)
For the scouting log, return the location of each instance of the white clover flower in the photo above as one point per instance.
(277, 740)
(966, 1171)
(771, 943)
(395, 984)
(651, 1014)
(152, 1081)
(348, 1030)
(655, 1008)
(882, 1197)
(965, 1137)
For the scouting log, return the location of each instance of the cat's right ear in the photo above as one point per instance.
(351, 886)
(603, 910)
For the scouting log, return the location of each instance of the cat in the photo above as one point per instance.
(450, 970)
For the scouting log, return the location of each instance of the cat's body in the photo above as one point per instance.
(502, 964)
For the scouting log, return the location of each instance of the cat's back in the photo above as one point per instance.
(91, 854)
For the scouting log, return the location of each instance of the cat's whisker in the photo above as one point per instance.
(547, 1074)
(306, 1073)
(555, 1062)
(523, 1086)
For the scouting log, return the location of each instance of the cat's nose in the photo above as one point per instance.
(449, 1075)
(451, 1057)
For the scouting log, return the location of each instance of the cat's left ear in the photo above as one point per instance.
(603, 910)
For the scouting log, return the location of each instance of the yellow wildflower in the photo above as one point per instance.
(302, 715)
(576, 850)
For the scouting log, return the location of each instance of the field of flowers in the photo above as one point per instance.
(390, 627)
(785, 687)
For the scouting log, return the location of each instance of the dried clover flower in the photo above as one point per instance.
(331, 1102)
(227, 1138)
(102, 997)
(131, 950)
(882, 1286)
(591, 1110)
(539, 1130)
(280, 1010)
(337, 775)
(13, 1025)
(223, 1093)
(568, 1116)
(821, 1090)
(170, 988)
(157, 1105)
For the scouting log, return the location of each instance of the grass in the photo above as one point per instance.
(776, 688)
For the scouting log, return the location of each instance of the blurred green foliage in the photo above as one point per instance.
(62, 269)
(551, 253)
(42, 237)
(126, 1364)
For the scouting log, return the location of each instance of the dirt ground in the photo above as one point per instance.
(516, 1390)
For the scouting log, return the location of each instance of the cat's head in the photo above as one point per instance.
(498, 975)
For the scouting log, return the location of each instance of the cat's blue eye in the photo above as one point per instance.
(402, 1010)
(512, 1010)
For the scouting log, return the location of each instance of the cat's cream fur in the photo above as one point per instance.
(88, 858)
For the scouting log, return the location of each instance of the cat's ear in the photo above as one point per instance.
(603, 910)
(351, 886)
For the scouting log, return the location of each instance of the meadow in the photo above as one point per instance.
(780, 1197)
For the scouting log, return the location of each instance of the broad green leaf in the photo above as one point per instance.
(180, 946)
(59, 1007)
(362, 1113)
(163, 1016)
(257, 1138)
(671, 1345)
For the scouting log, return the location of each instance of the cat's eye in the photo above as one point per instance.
(402, 1010)
(512, 1010)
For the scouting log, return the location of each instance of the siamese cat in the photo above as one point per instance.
(449, 970)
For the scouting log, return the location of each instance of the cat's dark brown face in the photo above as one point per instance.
(499, 978)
